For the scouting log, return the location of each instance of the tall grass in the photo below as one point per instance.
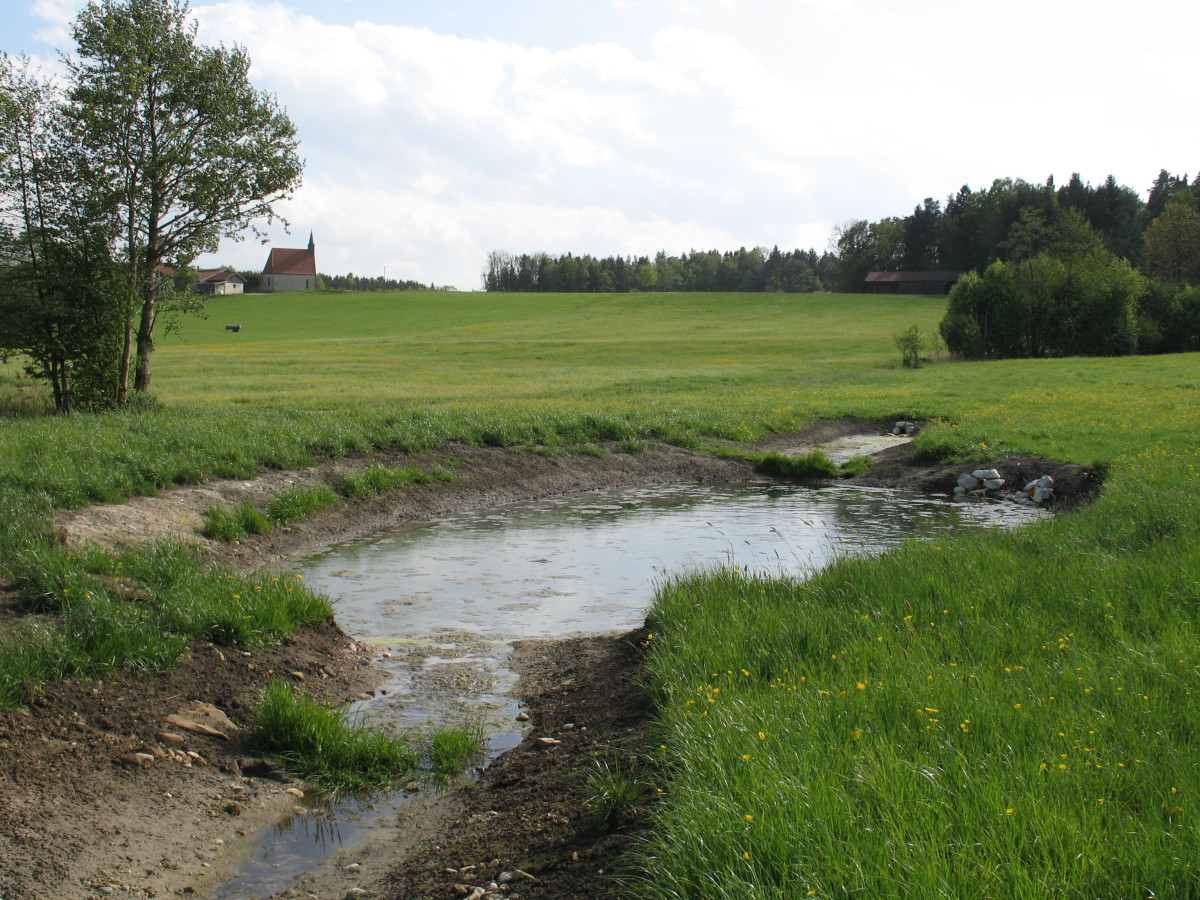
(453, 748)
(138, 609)
(378, 478)
(988, 714)
(323, 744)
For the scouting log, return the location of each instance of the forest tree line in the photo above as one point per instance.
(758, 269)
(1159, 236)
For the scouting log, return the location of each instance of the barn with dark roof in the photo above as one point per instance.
(291, 270)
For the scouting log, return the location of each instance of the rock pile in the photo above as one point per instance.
(980, 482)
(905, 428)
(1038, 492)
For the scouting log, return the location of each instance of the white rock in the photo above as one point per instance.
(968, 482)
(994, 484)
(985, 474)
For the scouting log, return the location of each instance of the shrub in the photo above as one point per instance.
(911, 344)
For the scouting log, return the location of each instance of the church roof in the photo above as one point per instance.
(285, 261)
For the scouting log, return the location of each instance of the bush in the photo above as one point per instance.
(911, 345)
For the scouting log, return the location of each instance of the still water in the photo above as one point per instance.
(443, 600)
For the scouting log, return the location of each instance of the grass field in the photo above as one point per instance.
(994, 715)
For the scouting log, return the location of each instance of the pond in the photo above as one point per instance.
(443, 600)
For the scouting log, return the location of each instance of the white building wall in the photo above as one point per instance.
(290, 282)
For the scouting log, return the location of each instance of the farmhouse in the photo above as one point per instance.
(911, 282)
(291, 270)
(218, 282)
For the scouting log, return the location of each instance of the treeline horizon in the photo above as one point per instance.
(749, 271)
(971, 230)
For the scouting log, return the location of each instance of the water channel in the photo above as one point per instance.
(443, 600)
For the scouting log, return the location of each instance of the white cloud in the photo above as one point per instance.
(697, 123)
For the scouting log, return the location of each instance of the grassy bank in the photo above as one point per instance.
(981, 658)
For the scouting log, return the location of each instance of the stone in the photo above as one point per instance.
(522, 716)
(295, 792)
(994, 484)
(985, 474)
(548, 742)
(968, 482)
(299, 676)
(170, 737)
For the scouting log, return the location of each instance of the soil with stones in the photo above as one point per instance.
(103, 793)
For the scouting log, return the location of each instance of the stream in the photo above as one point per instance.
(442, 601)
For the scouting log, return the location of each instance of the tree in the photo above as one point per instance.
(175, 133)
(59, 287)
(1173, 244)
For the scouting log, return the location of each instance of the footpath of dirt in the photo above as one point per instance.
(97, 800)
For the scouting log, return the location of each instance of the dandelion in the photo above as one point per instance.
(761, 736)
(745, 756)
(855, 734)
(749, 818)
(1009, 811)
(746, 856)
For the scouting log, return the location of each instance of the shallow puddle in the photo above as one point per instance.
(444, 600)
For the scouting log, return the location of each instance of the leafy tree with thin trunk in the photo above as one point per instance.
(176, 136)
(59, 286)
(1173, 244)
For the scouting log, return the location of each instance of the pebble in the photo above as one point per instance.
(548, 741)
(522, 716)
(299, 676)
(295, 792)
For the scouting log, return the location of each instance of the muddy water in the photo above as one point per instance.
(444, 600)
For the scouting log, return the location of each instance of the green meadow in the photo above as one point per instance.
(988, 715)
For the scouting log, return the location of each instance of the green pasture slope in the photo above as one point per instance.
(987, 715)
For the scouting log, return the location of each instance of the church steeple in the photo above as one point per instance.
(312, 248)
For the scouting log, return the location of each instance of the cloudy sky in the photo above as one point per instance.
(437, 131)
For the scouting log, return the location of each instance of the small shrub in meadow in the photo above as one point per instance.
(632, 445)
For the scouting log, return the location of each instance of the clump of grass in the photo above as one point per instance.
(379, 478)
(297, 503)
(614, 791)
(222, 525)
(453, 748)
(811, 465)
(591, 450)
(855, 466)
(632, 445)
(324, 744)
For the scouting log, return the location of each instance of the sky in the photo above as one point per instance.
(435, 132)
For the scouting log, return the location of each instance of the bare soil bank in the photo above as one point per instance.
(82, 815)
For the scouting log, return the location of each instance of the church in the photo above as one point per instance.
(291, 270)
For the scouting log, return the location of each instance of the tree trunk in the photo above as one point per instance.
(145, 342)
